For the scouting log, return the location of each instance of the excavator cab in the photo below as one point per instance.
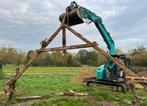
(113, 73)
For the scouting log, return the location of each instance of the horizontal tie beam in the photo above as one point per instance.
(65, 48)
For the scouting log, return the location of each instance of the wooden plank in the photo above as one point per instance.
(137, 78)
(132, 81)
(28, 98)
(64, 48)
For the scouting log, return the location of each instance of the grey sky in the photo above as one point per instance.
(24, 23)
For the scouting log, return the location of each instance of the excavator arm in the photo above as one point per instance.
(87, 14)
(75, 15)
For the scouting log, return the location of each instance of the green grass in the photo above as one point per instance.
(64, 101)
(56, 80)
(49, 70)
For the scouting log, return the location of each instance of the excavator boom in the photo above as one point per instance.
(75, 15)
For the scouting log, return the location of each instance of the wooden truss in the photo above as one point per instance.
(63, 27)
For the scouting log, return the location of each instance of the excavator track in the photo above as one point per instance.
(120, 86)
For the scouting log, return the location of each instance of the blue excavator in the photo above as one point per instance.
(109, 73)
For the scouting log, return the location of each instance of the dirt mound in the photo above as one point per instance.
(142, 73)
(78, 79)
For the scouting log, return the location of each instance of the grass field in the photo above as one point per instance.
(52, 80)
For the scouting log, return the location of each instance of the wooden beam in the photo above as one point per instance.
(56, 32)
(133, 81)
(137, 78)
(64, 39)
(25, 67)
(36, 55)
(53, 35)
(118, 62)
(64, 48)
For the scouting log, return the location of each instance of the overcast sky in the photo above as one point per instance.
(24, 23)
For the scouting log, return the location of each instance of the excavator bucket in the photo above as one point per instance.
(72, 17)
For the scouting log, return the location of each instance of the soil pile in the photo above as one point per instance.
(78, 79)
(142, 73)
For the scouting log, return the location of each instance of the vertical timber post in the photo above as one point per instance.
(1, 69)
(64, 39)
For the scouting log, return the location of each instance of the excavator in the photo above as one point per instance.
(109, 73)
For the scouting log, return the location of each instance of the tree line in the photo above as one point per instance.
(138, 57)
